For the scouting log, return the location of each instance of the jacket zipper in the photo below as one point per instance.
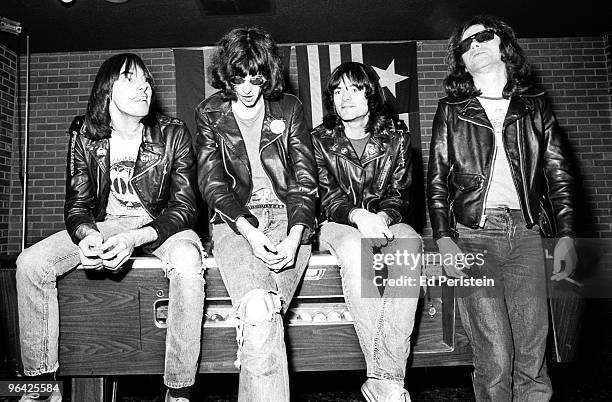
(520, 150)
(161, 182)
(483, 217)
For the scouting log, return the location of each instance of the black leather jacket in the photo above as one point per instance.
(375, 182)
(163, 178)
(460, 163)
(224, 172)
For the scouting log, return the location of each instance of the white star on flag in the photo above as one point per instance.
(388, 77)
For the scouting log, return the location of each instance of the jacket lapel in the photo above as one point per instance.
(517, 109)
(473, 112)
(374, 148)
(99, 151)
(227, 128)
(151, 150)
(341, 146)
(274, 125)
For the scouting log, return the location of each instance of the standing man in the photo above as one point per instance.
(364, 170)
(256, 170)
(130, 181)
(499, 176)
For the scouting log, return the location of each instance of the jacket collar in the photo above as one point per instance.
(473, 111)
(151, 149)
(342, 146)
(274, 125)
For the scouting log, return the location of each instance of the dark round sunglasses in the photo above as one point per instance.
(480, 37)
(257, 80)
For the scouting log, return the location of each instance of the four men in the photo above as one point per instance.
(498, 176)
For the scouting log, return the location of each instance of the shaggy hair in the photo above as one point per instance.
(363, 77)
(459, 82)
(97, 117)
(247, 51)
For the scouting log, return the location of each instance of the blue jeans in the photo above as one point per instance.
(383, 324)
(507, 324)
(262, 356)
(39, 266)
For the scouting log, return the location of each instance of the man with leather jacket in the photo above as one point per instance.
(364, 168)
(499, 176)
(256, 170)
(130, 183)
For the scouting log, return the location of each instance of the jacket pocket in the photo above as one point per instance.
(466, 182)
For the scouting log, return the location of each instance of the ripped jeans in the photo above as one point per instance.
(39, 266)
(262, 357)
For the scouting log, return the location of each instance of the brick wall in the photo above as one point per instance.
(575, 72)
(8, 80)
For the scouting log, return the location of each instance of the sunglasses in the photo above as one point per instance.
(480, 37)
(256, 80)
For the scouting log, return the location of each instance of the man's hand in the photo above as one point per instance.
(89, 250)
(260, 244)
(289, 248)
(564, 257)
(448, 248)
(372, 226)
(117, 249)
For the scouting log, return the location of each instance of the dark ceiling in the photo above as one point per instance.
(101, 25)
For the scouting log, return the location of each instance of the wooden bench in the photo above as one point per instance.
(114, 324)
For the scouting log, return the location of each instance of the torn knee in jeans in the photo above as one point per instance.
(259, 330)
(185, 257)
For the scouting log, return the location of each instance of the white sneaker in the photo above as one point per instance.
(55, 396)
(375, 390)
(170, 398)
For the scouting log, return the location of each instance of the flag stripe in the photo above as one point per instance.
(345, 53)
(301, 53)
(335, 57)
(315, 85)
(356, 52)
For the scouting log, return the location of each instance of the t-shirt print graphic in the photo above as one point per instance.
(121, 174)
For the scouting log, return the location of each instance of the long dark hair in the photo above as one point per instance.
(459, 82)
(97, 118)
(363, 77)
(247, 51)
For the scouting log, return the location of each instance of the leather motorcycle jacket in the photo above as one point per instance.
(461, 159)
(224, 171)
(376, 181)
(163, 178)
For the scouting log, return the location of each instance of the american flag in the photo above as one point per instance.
(307, 68)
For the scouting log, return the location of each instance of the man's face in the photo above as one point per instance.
(131, 93)
(481, 55)
(350, 102)
(247, 92)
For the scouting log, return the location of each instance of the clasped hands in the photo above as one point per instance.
(95, 253)
(276, 257)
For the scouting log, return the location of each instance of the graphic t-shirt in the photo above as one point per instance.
(123, 200)
(502, 192)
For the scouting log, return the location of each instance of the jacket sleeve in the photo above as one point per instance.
(181, 211)
(212, 179)
(80, 193)
(335, 203)
(437, 176)
(558, 173)
(302, 191)
(395, 203)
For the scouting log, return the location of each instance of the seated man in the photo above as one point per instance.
(256, 170)
(129, 184)
(364, 167)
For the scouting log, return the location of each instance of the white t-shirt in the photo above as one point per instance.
(502, 192)
(123, 200)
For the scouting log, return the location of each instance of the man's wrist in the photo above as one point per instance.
(354, 214)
